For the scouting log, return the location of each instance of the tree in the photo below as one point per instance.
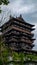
(3, 52)
(5, 2)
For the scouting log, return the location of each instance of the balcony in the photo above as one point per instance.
(18, 35)
(16, 28)
(20, 40)
(13, 39)
(22, 25)
(27, 41)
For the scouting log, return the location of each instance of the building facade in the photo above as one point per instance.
(18, 33)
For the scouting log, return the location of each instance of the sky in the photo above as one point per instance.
(28, 9)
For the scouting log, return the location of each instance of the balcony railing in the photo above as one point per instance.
(19, 34)
(17, 23)
(20, 40)
(25, 40)
(16, 28)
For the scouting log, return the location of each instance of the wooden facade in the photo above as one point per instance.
(18, 34)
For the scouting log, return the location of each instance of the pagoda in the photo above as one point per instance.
(17, 33)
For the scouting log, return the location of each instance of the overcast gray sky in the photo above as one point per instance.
(28, 9)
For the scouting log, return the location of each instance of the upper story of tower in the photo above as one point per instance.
(19, 24)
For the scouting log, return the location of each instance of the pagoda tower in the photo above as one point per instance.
(17, 33)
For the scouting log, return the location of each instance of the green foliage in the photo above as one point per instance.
(0, 2)
(0, 10)
(4, 2)
(23, 57)
(18, 56)
(1, 62)
(3, 52)
(32, 57)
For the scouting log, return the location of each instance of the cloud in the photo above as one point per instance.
(34, 15)
(25, 9)
(17, 7)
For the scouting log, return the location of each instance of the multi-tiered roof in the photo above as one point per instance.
(18, 34)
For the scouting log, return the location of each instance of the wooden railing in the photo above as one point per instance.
(16, 28)
(21, 40)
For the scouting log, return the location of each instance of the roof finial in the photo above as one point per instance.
(20, 16)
